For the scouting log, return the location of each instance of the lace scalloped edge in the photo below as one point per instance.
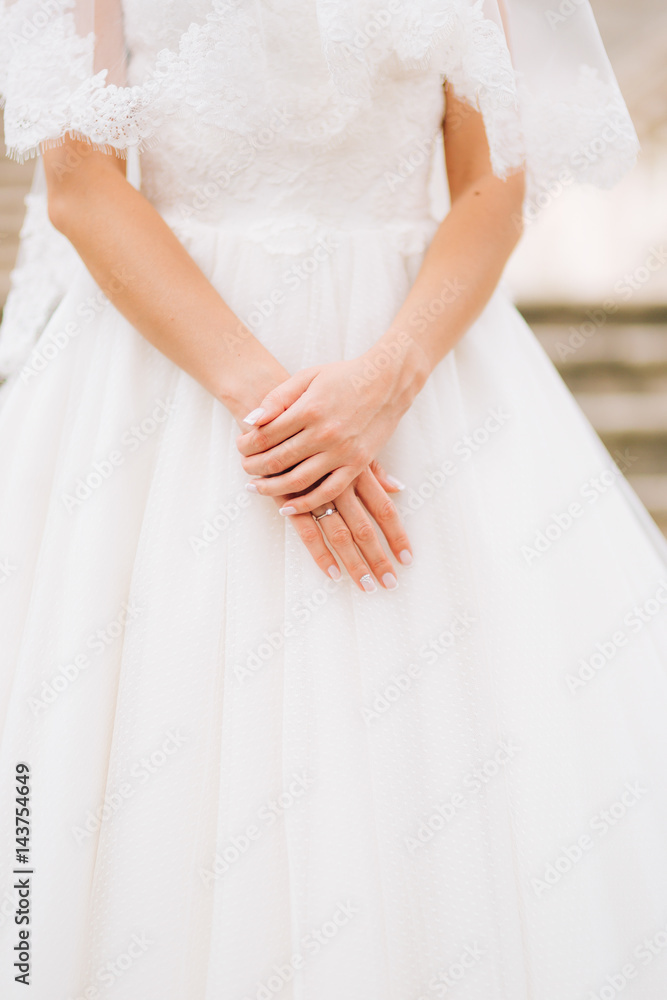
(20, 155)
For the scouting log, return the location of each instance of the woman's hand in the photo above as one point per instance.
(350, 532)
(316, 432)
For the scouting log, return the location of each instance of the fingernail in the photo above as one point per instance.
(393, 481)
(334, 572)
(251, 488)
(390, 581)
(368, 583)
(254, 416)
(286, 511)
(405, 556)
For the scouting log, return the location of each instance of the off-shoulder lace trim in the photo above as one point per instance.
(51, 89)
(584, 130)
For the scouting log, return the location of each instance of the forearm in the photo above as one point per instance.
(460, 272)
(151, 279)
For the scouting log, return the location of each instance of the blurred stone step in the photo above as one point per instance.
(619, 382)
(8, 250)
(4, 286)
(652, 491)
(11, 198)
(648, 454)
(14, 174)
(11, 219)
(628, 415)
(619, 375)
(625, 346)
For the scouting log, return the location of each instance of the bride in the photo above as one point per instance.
(334, 641)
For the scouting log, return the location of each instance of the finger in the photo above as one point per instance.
(339, 537)
(330, 487)
(280, 398)
(365, 536)
(389, 483)
(311, 536)
(277, 460)
(384, 513)
(297, 480)
(281, 428)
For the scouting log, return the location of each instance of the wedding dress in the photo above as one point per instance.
(247, 781)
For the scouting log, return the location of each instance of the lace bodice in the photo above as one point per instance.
(290, 117)
(284, 142)
(134, 73)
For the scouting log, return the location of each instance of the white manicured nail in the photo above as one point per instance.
(405, 556)
(254, 416)
(334, 572)
(393, 481)
(251, 488)
(390, 581)
(286, 511)
(368, 583)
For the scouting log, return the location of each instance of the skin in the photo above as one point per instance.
(326, 422)
(303, 450)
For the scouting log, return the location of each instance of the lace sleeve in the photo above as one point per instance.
(553, 104)
(539, 75)
(62, 71)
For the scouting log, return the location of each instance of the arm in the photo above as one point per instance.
(469, 250)
(330, 420)
(162, 293)
(166, 297)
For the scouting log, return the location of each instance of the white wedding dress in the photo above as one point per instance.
(248, 781)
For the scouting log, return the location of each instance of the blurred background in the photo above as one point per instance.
(582, 275)
(590, 275)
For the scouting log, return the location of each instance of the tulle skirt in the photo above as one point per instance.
(250, 782)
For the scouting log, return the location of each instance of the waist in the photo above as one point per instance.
(296, 233)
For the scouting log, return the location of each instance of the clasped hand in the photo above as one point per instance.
(312, 444)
